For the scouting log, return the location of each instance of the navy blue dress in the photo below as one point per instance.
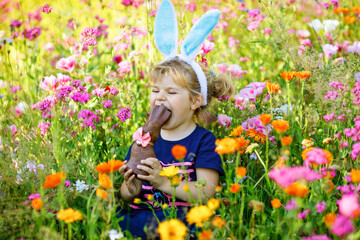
(200, 145)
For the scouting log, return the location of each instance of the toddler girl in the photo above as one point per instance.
(175, 85)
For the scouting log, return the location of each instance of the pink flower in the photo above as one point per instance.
(315, 155)
(46, 8)
(342, 226)
(34, 196)
(44, 126)
(349, 206)
(236, 71)
(253, 26)
(268, 31)
(207, 46)
(127, 2)
(66, 64)
(107, 104)
(117, 59)
(306, 42)
(302, 33)
(49, 83)
(252, 90)
(13, 130)
(191, 7)
(240, 102)
(49, 47)
(329, 117)
(233, 42)
(291, 205)
(88, 36)
(62, 79)
(222, 67)
(285, 176)
(255, 123)
(124, 67)
(224, 120)
(355, 48)
(329, 50)
(244, 59)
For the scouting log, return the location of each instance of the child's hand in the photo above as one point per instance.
(133, 184)
(152, 167)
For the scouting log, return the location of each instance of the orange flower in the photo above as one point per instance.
(329, 186)
(206, 235)
(234, 188)
(265, 119)
(218, 222)
(101, 193)
(329, 157)
(280, 163)
(329, 219)
(337, 10)
(236, 131)
(257, 135)
(178, 151)
(213, 203)
(297, 190)
(305, 151)
(355, 9)
(225, 145)
(275, 203)
(345, 10)
(280, 126)
(272, 87)
(109, 167)
(37, 203)
(69, 215)
(349, 19)
(286, 141)
(288, 76)
(355, 176)
(241, 172)
(54, 180)
(218, 188)
(104, 181)
(303, 75)
(241, 143)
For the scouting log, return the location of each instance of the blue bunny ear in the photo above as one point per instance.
(165, 29)
(198, 33)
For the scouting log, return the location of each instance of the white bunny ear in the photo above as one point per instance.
(165, 29)
(198, 33)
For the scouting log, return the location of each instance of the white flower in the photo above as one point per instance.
(357, 76)
(81, 186)
(316, 25)
(355, 48)
(330, 25)
(113, 234)
(303, 33)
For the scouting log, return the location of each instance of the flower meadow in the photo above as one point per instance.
(74, 87)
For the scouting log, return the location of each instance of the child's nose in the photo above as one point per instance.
(161, 96)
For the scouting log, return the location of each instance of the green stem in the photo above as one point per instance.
(288, 96)
(271, 108)
(69, 230)
(302, 102)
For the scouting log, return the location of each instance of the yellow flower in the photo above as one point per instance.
(104, 181)
(137, 200)
(327, 140)
(236, 132)
(169, 171)
(172, 229)
(213, 203)
(186, 188)
(198, 215)
(150, 197)
(69, 215)
(175, 181)
(165, 206)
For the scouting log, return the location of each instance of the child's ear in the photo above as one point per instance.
(197, 101)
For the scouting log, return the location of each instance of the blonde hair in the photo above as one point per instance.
(218, 84)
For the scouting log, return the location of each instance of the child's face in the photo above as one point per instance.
(176, 98)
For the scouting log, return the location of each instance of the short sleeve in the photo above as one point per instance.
(207, 157)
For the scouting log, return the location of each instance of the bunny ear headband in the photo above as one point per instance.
(166, 37)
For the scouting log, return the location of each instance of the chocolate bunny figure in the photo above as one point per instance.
(145, 137)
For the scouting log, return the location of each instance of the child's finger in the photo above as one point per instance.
(122, 169)
(127, 175)
(145, 169)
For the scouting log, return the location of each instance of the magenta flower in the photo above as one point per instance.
(306, 42)
(222, 67)
(34, 196)
(107, 104)
(66, 64)
(302, 215)
(15, 24)
(89, 118)
(285, 176)
(124, 114)
(342, 226)
(291, 205)
(329, 117)
(253, 25)
(224, 120)
(207, 47)
(67, 183)
(44, 126)
(355, 150)
(320, 207)
(329, 50)
(46, 8)
(117, 59)
(349, 205)
(317, 237)
(331, 95)
(127, 2)
(255, 123)
(13, 130)
(31, 33)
